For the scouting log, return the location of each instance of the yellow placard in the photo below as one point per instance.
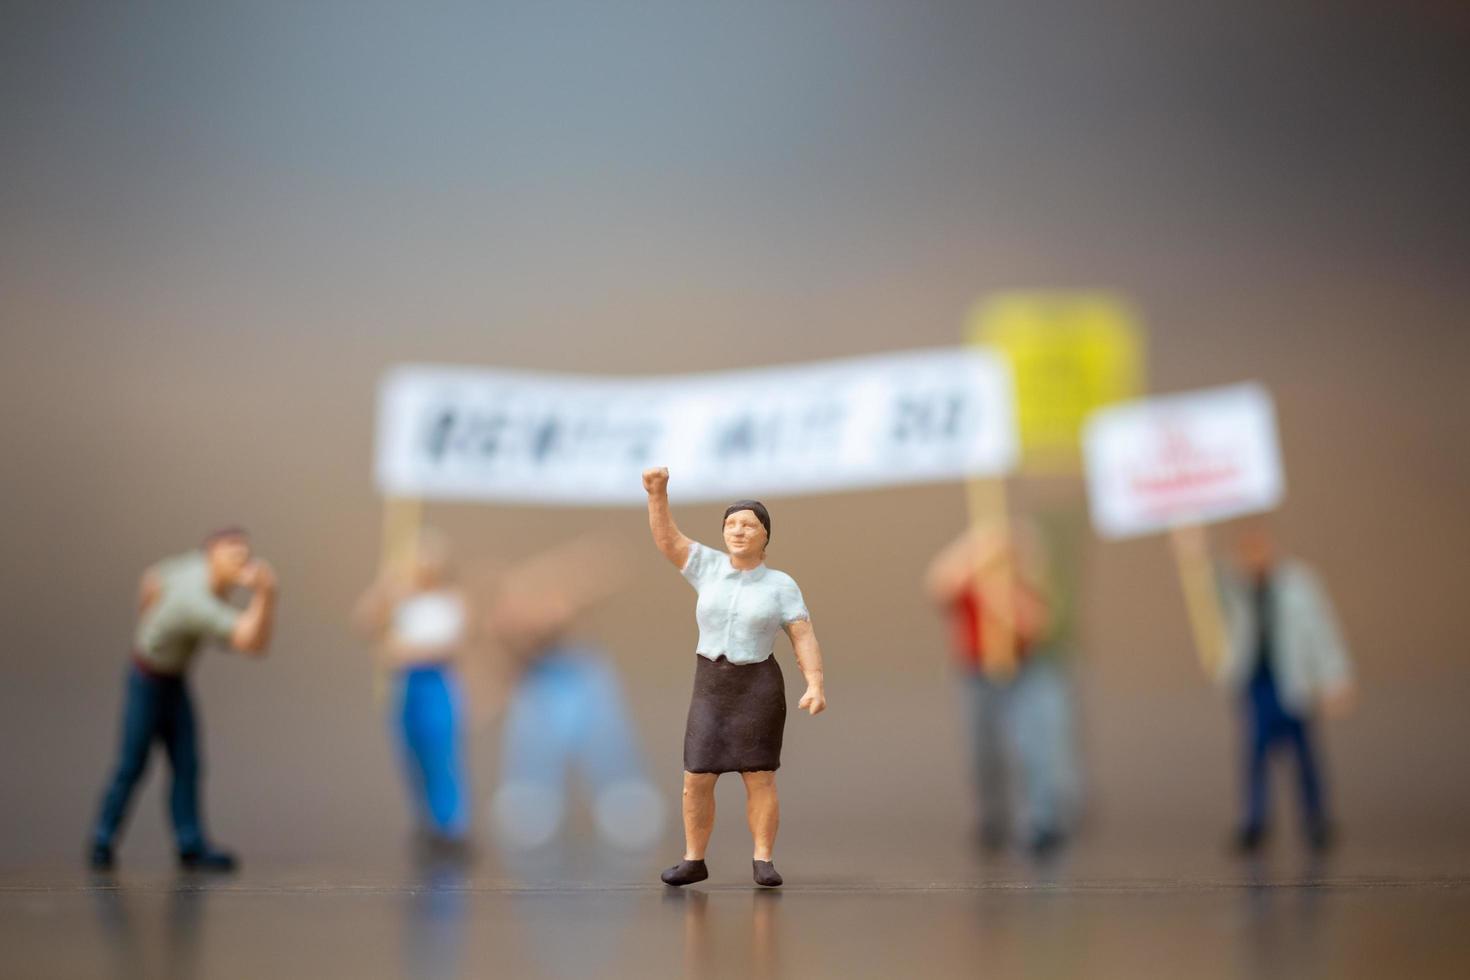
(1070, 353)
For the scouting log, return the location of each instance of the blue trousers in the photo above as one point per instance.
(1269, 726)
(155, 709)
(431, 733)
(568, 708)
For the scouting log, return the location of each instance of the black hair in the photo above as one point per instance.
(226, 533)
(755, 507)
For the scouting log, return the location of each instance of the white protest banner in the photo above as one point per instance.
(482, 434)
(1194, 458)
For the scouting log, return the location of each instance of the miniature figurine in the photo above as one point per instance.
(1284, 658)
(1020, 720)
(182, 604)
(566, 707)
(421, 618)
(738, 712)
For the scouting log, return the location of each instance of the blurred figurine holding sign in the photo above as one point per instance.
(1020, 714)
(181, 604)
(422, 618)
(738, 712)
(1263, 624)
(1284, 658)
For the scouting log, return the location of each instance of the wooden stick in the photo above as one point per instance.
(402, 523)
(402, 520)
(995, 581)
(1201, 595)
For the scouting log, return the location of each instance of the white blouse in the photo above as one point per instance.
(430, 620)
(739, 612)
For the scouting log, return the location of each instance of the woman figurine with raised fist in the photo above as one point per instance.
(738, 712)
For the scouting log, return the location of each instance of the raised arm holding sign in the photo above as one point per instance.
(1171, 464)
(1262, 623)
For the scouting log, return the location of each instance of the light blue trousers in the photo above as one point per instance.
(568, 710)
(1022, 738)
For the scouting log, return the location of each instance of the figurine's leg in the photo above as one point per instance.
(699, 813)
(762, 810)
(606, 742)
(180, 739)
(1257, 783)
(1038, 730)
(529, 804)
(1314, 813)
(139, 724)
(447, 779)
(431, 729)
(986, 708)
(625, 806)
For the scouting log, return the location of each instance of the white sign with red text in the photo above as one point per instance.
(530, 437)
(1193, 458)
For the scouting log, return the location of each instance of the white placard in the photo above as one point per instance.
(478, 434)
(1183, 459)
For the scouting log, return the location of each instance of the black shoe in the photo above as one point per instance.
(1320, 837)
(434, 848)
(992, 838)
(1248, 840)
(766, 874)
(101, 858)
(1046, 843)
(685, 873)
(208, 859)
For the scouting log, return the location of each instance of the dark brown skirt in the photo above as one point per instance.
(736, 717)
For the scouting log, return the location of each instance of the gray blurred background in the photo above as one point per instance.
(218, 226)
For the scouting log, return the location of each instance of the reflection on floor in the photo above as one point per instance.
(1097, 912)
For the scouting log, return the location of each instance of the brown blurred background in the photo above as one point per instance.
(218, 228)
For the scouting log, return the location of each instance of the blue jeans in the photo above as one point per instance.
(569, 707)
(431, 734)
(1269, 725)
(1022, 728)
(155, 708)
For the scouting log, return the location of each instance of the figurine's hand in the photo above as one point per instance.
(257, 575)
(814, 701)
(656, 480)
(1340, 701)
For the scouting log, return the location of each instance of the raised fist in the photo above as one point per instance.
(656, 480)
(257, 574)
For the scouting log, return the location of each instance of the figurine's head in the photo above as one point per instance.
(1255, 546)
(747, 529)
(228, 552)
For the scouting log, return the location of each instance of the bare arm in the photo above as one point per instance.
(584, 570)
(524, 620)
(1032, 612)
(666, 534)
(371, 612)
(953, 570)
(973, 561)
(809, 659)
(252, 633)
(532, 602)
(149, 589)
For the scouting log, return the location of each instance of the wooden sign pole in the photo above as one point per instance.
(995, 578)
(1201, 595)
(402, 523)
